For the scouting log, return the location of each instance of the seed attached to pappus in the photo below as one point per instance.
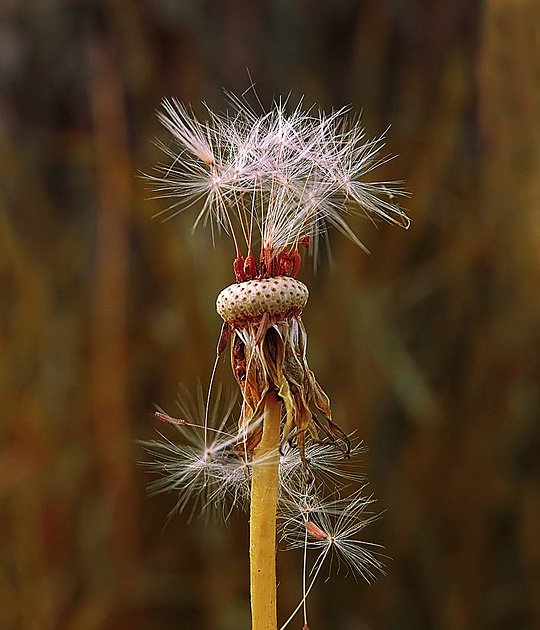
(315, 531)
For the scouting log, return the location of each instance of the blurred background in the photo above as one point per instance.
(429, 347)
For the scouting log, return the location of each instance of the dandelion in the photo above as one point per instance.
(274, 183)
(205, 466)
(331, 526)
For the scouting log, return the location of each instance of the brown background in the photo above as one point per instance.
(429, 347)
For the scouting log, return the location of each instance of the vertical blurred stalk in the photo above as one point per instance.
(509, 110)
(509, 106)
(110, 400)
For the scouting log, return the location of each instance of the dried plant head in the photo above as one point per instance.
(274, 182)
(269, 353)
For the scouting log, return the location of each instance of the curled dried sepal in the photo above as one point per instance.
(278, 362)
(268, 353)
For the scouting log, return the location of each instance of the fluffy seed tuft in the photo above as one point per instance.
(275, 178)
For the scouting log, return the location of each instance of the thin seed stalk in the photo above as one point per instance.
(262, 523)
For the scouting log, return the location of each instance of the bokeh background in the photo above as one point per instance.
(429, 347)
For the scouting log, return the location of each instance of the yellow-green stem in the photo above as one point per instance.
(262, 522)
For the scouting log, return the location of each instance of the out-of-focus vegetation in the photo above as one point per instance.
(429, 347)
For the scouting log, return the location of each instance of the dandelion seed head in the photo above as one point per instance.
(274, 182)
(282, 175)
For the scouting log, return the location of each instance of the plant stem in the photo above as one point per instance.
(262, 523)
